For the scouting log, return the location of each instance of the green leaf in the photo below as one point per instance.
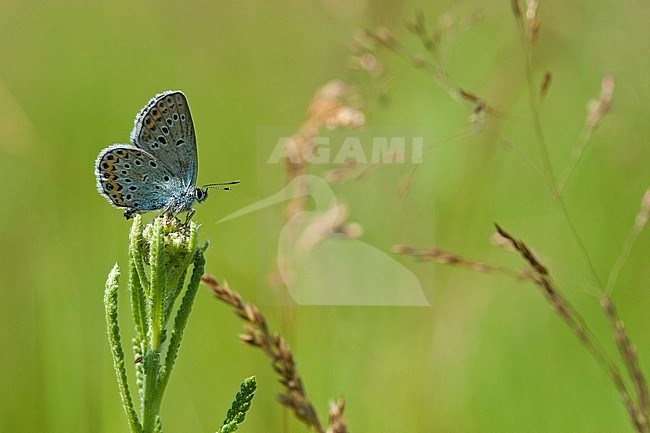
(240, 405)
(114, 339)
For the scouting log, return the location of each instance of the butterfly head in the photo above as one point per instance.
(200, 194)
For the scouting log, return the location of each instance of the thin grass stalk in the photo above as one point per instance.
(630, 359)
(640, 222)
(637, 410)
(636, 404)
(525, 32)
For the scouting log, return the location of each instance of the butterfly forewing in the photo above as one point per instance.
(132, 178)
(164, 129)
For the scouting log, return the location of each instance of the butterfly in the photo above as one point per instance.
(158, 170)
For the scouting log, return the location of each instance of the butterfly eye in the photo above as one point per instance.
(200, 194)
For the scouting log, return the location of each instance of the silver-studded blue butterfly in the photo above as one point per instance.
(158, 171)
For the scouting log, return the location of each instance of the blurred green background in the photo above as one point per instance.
(489, 355)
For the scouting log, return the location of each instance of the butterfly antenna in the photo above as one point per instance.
(221, 185)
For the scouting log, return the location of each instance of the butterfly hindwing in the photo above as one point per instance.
(164, 129)
(132, 178)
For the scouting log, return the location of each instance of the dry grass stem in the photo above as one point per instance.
(532, 23)
(447, 258)
(352, 170)
(384, 38)
(528, 27)
(528, 22)
(516, 9)
(336, 420)
(640, 222)
(637, 410)
(596, 111)
(429, 41)
(367, 43)
(642, 217)
(257, 334)
(629, 356)
(632, 388)
(332, 107)
(529, 32)
(546, 84)
(636, 404)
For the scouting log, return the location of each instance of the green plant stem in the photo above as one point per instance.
(152, 396)
(160, 255)
(157, 290)
(181, 320)
(136, 273)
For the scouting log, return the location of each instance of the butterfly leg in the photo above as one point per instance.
(128, 214)
(189, 216)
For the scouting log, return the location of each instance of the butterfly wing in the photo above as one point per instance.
(164, 129)
(131, 178)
